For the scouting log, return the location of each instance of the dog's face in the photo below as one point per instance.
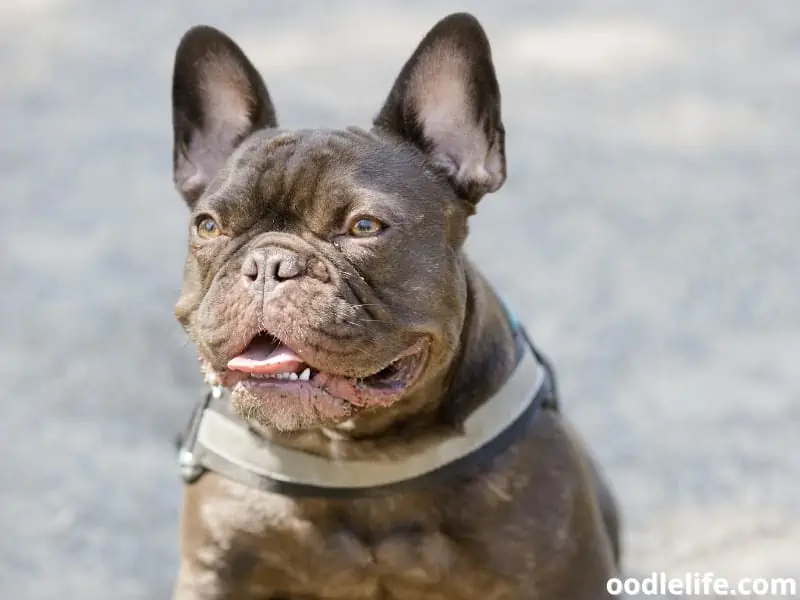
(325, 276)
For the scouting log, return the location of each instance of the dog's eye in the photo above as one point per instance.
(207, 228)
(366, 227)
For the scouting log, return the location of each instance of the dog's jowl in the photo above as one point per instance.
(378, 425)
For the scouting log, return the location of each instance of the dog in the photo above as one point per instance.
(379, 426)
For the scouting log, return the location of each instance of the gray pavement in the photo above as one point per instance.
(648, 235)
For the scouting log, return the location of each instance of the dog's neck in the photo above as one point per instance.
(483, 361)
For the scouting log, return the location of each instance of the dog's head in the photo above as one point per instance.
(325, 274)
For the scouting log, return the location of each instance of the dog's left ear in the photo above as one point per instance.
(446, 101)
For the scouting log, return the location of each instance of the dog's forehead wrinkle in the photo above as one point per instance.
(286, 171)
(330, 167)
(235, 186)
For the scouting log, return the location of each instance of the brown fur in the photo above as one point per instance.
(539, 523)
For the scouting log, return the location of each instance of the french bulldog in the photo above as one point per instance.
(327, 290)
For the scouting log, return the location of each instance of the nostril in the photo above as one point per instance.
(287, 267)
(250, 268)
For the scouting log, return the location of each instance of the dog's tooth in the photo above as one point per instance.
(293, 376)
(305, 375)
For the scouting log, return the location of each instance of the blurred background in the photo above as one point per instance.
(647, 236)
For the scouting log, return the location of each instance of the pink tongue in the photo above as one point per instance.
(265, 358)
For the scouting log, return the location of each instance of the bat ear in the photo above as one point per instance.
(446, 101)
(218, 99)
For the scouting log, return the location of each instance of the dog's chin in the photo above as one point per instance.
(273, 387)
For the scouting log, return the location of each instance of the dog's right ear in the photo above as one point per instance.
(218, 99)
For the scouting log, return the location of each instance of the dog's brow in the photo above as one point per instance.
(378, 203)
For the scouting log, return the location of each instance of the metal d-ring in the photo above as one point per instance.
(189, 465)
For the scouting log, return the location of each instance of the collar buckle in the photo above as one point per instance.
(190, 466)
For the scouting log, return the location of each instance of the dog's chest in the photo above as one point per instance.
(309, 551)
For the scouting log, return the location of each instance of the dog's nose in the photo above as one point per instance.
(268, 267)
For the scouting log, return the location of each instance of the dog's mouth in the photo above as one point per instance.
(268, 369)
